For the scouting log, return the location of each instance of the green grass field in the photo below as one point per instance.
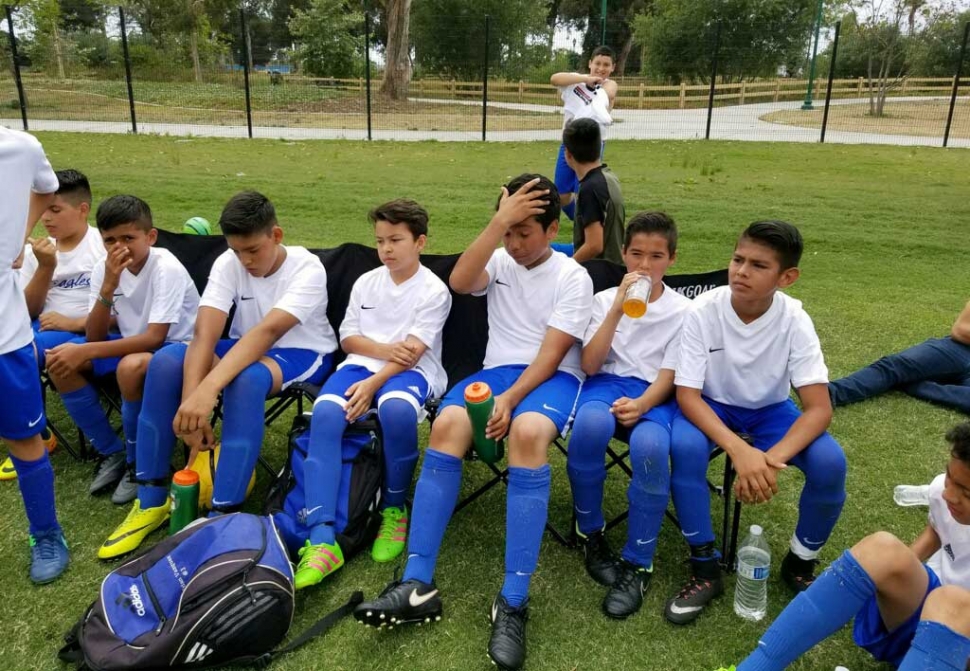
(888, 238)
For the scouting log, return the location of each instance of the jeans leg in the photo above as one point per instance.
(938, 359)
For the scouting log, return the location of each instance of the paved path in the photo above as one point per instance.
(741, 122)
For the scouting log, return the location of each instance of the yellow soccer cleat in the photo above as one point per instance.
(8, 472)
(130, 533)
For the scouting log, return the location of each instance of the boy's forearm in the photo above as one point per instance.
(250, 349)
(567, 79)
(35, 293)
(198, 362)
(598, 348)
(471, 264)
(387, 371)
(700, 414)
(364, 346)
(810, 425)
(143, 342)
(98, 322)
(926, 544)
(541, 369)
(659, 391)
(585, 252)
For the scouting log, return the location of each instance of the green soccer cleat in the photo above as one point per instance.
(393, 535)
(316, 563)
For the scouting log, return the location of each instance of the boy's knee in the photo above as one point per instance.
(131, 370)
(391, 409)
(529, 439)
(827, 466)
(949, 605)
(688, 444)
(169, 360)
(255, 380)
(451, 432)
(883, 556)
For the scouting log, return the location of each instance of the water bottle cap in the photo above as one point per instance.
(477, 392)
(186, 478)
(756, 530)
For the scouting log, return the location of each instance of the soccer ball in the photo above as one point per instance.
(197, 226)
(205, 465)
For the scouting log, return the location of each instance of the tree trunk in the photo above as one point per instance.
(194, 48)
(58, 53)
(397, 66)
(623, 55)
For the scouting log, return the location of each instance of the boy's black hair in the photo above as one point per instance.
(603, 50)
(780, 236)
(73, 187)
(120, 210)
(959, 439)
(551, 213)
(402, 211)
(582, 139)
(652, 223)
(246, 213)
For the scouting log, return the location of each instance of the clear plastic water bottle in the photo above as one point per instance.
(912, 495)
(754, 564)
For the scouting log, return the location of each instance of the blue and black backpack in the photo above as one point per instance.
(218, 592)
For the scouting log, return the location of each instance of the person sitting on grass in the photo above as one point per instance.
(279, 335)
(937, 370)
(906, 614)
(539, 303)
(743, 348)
(149, 295)
(392, 333)
(629, 392)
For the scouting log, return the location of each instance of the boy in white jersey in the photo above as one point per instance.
(279, 335)
(392, 334)
(149, 296)
(743, 348)
(538, 309)
(584, 97)
(27, 186)
(56, 274)
(629, 392)
(906, 614)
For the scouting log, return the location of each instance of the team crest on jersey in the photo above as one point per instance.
(583, 94)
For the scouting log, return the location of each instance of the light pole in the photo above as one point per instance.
(811, 72)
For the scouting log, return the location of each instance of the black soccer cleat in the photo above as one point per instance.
(798, 573)
(408, 602)
(506, 647)
(601, 562)
(693, 598)
(626, 595)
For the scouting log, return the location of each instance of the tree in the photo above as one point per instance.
(397, 51)
(758, 37)
(44, 18)
(620, 15)
(329, 36)
(449, 36)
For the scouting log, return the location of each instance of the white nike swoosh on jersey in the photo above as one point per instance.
(683, 610)
(31, 425)
(416, 599)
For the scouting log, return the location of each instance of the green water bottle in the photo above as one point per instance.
(184, 499)
(479, 404)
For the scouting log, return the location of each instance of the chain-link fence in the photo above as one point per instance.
(485, 77)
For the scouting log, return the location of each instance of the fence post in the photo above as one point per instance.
(710, 97)
(744, 88)
(521, 90)
(683, 95)
(485, 80)
(127, 56)
(16, 66)
(367, 70)
(828, 91)
(640, 96)
(777, 89)
(246, 57)
(862, 81)
(956, 84)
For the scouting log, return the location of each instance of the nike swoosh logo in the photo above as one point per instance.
(694, 533)
(114, 541)
(221, 503)
(313, 510)
(551, 409)
(246, 298)
(682, 610)
(640, 542)
(31, 425)
(504, 284)
(367, 307)
(416, 599)
(583, 512)
(716, 349)
(117, 295)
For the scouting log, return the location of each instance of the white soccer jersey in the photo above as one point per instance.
(641, 347)
(161, 293)
(387, 312)
(523, 304)
(579, 102)
(23, 168)
(71, 284)
(954, 555)
(298, 287)
(748, 365)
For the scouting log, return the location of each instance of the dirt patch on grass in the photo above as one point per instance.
(923, 119)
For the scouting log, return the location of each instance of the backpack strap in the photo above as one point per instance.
(317, 629)
(71, 652)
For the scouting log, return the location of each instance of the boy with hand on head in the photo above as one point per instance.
(629, 392)
(905, 613)
(598, 231)
(584, 96)
(56, 273)
(538, 309)
(279, 335)
(392, 334)
(148, 294)
(743, 348)
(27, 186)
